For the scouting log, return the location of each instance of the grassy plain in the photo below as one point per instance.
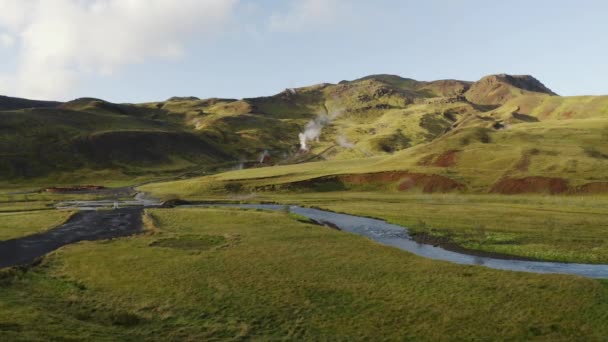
(556, 228)
(265, 276)
(18, 224)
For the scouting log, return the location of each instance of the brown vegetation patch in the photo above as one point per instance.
(427, 160)
(76, 188)
(526, 159)
(404, 181)
(511, 186)
(593, 188)
(446, 159)
(378, 177)
(429, 183)
(568, 115)
(524, 163)
(321, 184)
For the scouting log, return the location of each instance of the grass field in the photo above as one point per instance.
(265, 276)
(541, 227)
(18, 224)
(556, 228)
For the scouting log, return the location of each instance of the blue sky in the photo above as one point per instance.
(151, 50)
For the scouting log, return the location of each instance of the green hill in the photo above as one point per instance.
(534, 142)
(502, 133)
(12, 103)
(43, 143)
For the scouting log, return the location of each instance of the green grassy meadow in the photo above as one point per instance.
(553, 228)
(18, 224)
(266, 276)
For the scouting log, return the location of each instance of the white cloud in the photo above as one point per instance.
(61, 40)
(6, 40)
(306, 15)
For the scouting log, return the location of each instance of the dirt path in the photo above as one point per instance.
(83, 226)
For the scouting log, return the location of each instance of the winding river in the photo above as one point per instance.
(377, 230)
(397, 236)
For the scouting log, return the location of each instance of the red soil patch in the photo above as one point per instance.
(593, 188)
(429, 183)
(511, 186)
(74, 188)
(446, 159)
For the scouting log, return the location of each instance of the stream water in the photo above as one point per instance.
(126, 220)
(397, 236)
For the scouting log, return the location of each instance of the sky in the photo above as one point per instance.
(150, 50)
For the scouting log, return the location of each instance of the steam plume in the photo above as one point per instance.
(312, 130)
(263, 156)
(342, 141)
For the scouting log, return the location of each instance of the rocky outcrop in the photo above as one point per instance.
(498, 89)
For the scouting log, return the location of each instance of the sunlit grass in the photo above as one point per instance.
(271, 277)
(18, 224)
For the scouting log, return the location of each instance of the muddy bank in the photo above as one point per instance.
(83, 226)
(449, 245)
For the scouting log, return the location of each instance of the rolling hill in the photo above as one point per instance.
(12, 103)
(503, 133)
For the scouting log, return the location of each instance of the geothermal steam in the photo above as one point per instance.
(312, 130)
(343, 142)
(263, 156)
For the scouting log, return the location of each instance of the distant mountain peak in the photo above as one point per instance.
(500, 88)
(525, 82)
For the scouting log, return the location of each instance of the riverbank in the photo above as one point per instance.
(265, 275)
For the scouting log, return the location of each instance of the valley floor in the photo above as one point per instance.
(552, 228)
(205, 274)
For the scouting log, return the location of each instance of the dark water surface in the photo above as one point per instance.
(83, 226)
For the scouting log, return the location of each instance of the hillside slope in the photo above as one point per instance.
(444, 132)
(536, 142)
(13, 103)
(559, 157)
(495, 90)
(44, 142)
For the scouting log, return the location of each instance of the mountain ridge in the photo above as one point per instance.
(376, 115)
